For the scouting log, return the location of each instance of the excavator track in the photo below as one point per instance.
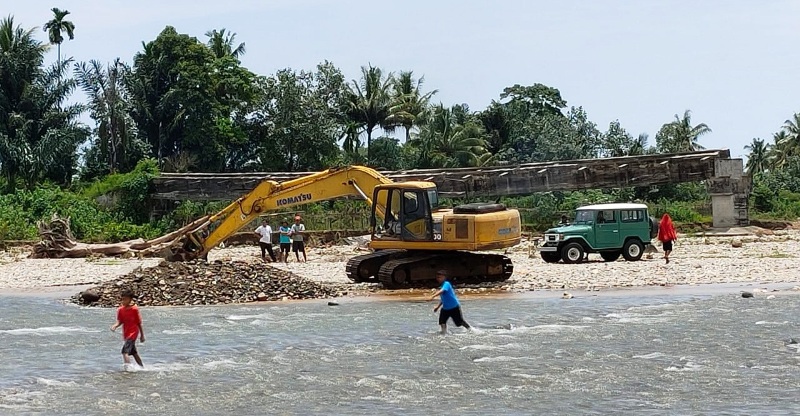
(461, 266)
(365, 268)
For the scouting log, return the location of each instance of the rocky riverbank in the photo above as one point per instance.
(766, 258)
(202, 283)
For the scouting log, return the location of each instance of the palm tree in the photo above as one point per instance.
(639, 145)
(792, 128)
(445, 139)
(680, 135)
(56, 25)
(369, 102)
(757, 160)
(781, 150)
(408, 102)
(221, 44)
(110, 107)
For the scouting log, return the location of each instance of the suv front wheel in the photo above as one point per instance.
(633, 250)
(572, 253)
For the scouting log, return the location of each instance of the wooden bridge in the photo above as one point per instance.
(728, 186)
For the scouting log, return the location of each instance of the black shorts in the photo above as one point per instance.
(298, 246)
(667, 245)
(454, 313)
(130, 347)
(285, 247)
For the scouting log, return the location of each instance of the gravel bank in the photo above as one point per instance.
(695, 260)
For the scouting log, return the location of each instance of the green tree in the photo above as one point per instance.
(369, 102)
(408, 101)
(55, 26)
(39, 132)
(616, 141)
(792, 129)
(781, 150)
(680, 135)
(294, 126)
(496, 122)
(222, 44)
(449, 137)
(185, 100)
(116, 147)
(387, 153)
(757, 159)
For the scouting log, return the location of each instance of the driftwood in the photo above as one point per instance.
(57, 241)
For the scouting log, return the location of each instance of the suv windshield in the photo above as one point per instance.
(584, 217)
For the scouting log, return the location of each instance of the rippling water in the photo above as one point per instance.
(589, 355)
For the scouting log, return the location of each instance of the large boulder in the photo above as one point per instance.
(89, 296)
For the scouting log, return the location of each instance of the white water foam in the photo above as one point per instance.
(689, 366)
(53, 383)
(181, 331)
(771, 323)
(554, 328)
(220, 363)
(649, 356)
(246, 317)
(482, 347)
(47, 330)
(501, 358)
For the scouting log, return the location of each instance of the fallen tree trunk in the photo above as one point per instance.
(57, 241)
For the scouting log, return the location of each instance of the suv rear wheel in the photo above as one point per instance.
(572, 253)
(633, 250)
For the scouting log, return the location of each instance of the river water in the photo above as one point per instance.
(656, 354)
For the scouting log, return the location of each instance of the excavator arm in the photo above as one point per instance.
(358, 181)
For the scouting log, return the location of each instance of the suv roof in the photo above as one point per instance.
(613, 206)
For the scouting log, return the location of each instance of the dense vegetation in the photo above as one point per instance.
(183, 105)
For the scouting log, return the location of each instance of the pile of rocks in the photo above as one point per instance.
(202, 283)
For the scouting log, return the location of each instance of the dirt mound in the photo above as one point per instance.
(202, 283)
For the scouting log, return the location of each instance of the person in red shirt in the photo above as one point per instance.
(667, 235)
(130, 319)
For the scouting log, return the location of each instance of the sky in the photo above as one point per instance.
(733, 63)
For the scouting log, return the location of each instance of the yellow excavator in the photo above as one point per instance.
(412, 236)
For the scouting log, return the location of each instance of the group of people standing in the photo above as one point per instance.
(289, 238)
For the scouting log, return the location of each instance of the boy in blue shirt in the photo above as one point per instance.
(448, 303)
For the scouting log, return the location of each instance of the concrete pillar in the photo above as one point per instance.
(729, 190)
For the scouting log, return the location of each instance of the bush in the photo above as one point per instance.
(21, 210)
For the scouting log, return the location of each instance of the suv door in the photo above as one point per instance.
(607, 230)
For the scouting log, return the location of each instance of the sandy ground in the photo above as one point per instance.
(695, 260)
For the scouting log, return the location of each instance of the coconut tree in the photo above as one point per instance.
(781, 150)
(792, 129)
(55, 26)
(408, 101)
(109, 105)
(222, 44)
(680, 135)
(368, 102)
(447, 139)
(757, 159)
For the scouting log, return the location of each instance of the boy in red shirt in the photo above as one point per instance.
(131, 321)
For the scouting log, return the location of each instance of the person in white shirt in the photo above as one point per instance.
(265, 242)
(298, 233)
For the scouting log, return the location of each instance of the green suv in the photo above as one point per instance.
(609, 229)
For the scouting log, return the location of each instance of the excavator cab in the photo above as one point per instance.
(408, 209)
